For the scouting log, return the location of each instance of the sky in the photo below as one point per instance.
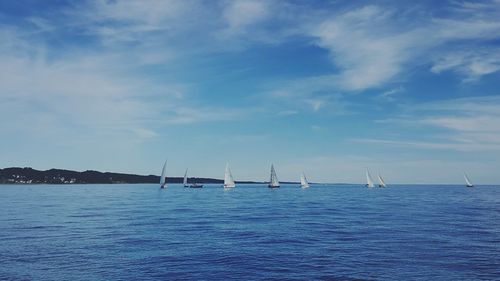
(408, 89)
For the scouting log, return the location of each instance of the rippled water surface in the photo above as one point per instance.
(335, 232)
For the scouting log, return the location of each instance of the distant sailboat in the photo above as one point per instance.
(381, 182)
(196, 185)
(273, 181)
(303, 181)
(163, 178)
(467, 181)
(228, 178)
(185, 181)
(369, 180)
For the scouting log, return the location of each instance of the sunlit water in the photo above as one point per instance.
(139, 232)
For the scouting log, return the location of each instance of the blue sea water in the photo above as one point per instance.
(327, 232)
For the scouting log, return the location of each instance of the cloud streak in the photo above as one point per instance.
(467, 124)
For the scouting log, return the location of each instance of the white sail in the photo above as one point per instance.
(163, 178)
(381, 182)
(273, 181)
(185, 180)
(369, 180)
(228, 178)
(467, 181)
(303, 181)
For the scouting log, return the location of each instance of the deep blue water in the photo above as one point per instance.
(139, 232)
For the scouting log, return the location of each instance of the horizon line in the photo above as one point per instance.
(237, 181)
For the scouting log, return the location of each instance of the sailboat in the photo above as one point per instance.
(381, 182)
(369, 180)
(467, 181)
(273, 181)
(163, 178)
(303, 181)
(185, 180)
(196, 185)
(228, 178)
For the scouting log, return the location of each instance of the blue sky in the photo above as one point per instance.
(409, 89)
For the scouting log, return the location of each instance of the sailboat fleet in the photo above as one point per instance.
(228, 179)
(273, 180)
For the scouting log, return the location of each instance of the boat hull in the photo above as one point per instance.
(273, 186)
(196, 186)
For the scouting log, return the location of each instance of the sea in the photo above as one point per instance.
(326, 232)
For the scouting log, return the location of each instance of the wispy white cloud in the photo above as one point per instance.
(287, 112)
(472, 65)
(316, 104)
(241, 14)
(317, 128)
(466, 124)
(484, 123)
(189, 26)
(311, 94)
(200, 114)
(232, 139)
(454, 144)
(126, 20)
(367, 53)
(389, 94)
(373, 45)
(89, 94)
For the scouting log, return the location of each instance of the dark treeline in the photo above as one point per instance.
(58, 176)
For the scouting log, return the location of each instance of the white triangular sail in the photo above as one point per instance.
(381, 182)
(185, 180)
(273, 181)
(369, 180)
(467, 181)
(163, 178)
(303, 181)
(228, 178)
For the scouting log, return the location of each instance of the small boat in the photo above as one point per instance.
(369, 180)
(163, 178)
(228, 178)
(273, 181)
(303, 181)
(467, 181)
(185, 181)
(195, 185)
(381, 182)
